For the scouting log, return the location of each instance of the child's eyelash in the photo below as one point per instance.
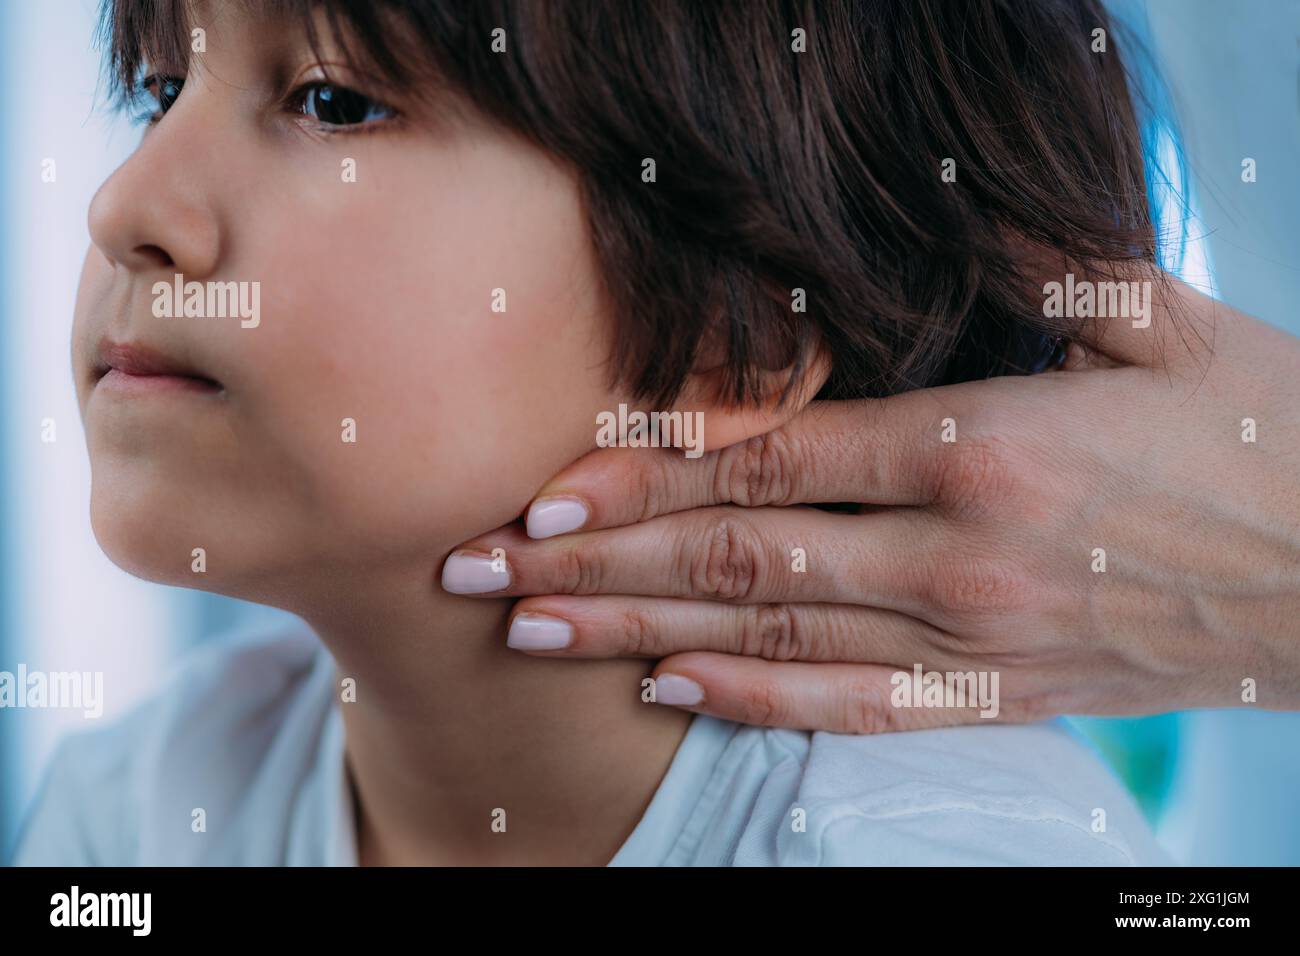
(378, 115)
(360, 129)
(142, 114)
(139, 112)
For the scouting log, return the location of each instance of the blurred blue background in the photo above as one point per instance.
(1221, 787)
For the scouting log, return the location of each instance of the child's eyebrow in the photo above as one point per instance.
(376, 46)
(164, 34)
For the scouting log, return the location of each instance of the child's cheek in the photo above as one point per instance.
(420, 369)
(427, 430)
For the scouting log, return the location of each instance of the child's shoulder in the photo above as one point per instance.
(1031, 794)
(192, 774)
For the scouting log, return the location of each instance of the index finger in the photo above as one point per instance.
(874, 451)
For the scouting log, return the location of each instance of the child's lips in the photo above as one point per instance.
(133, 366)
(119, 381)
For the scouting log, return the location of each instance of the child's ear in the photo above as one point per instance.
(726, 423)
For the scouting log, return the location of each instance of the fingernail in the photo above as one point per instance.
(677, 690)
(548, 517)
(473, 574)
(537, 632)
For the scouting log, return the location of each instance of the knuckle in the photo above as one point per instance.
(580, 571)
(976, 585)
(652, 482)
(864, 709)
(727, 565)
(641, 636)
(769, 631)
(763, 703)
(977, 476)
(757, 471)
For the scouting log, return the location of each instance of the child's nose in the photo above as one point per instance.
(157, 211)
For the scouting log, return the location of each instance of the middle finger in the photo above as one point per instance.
(741, 555)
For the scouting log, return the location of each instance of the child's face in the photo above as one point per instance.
(376, 305)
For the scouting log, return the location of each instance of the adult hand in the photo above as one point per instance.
(1114, 538)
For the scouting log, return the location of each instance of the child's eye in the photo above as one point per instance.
(157, 94)
(331, 105)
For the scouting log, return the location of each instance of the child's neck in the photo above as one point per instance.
(465, 752)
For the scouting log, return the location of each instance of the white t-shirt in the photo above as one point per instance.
(248, 731)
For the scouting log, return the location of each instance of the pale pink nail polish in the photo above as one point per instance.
(466, 573)
(539, 632)
(548, 517)
(677, 690)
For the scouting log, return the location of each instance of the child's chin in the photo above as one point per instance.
(146, 555)
(143, 541)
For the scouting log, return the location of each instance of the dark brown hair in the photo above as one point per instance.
(779, 170)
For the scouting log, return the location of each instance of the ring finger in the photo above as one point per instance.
(618, 626)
